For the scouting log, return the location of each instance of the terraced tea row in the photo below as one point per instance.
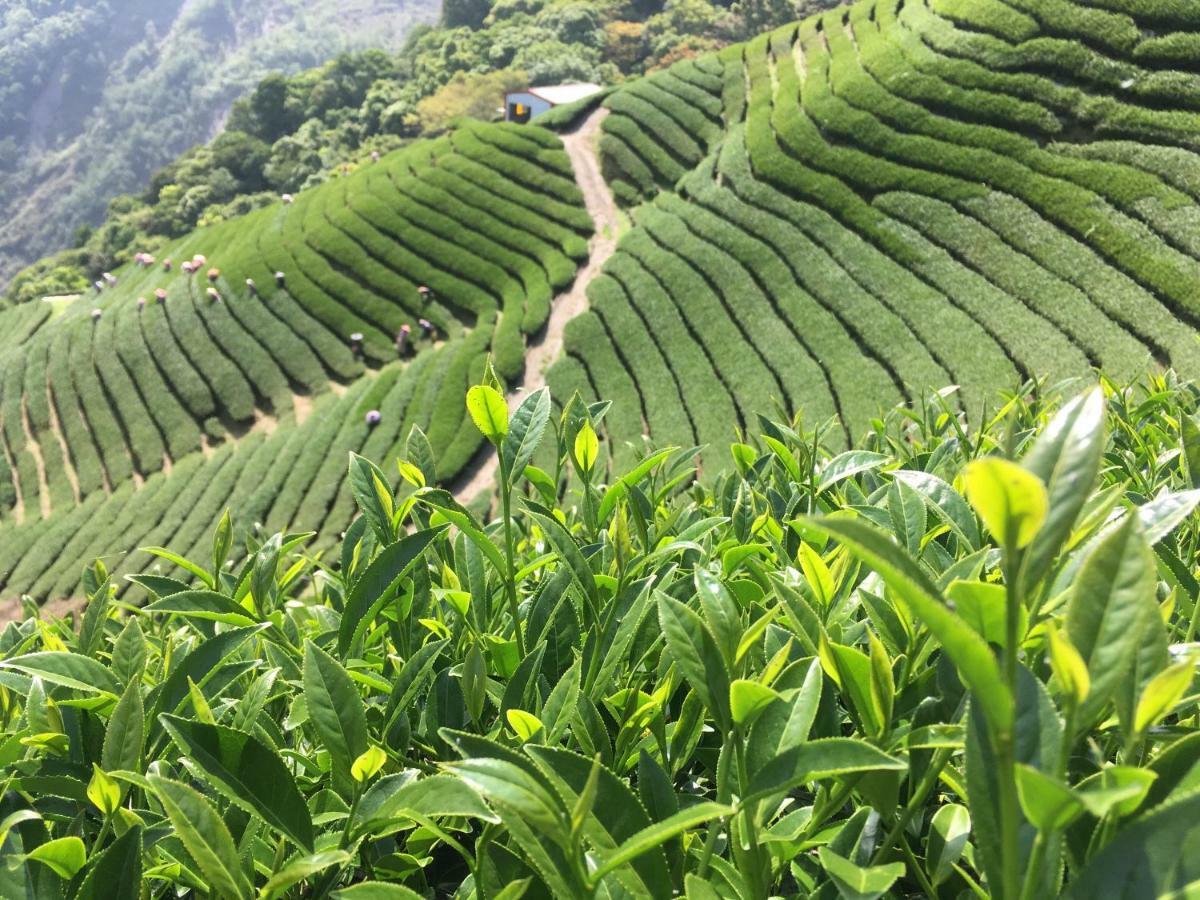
(895, 197)
(292, 477)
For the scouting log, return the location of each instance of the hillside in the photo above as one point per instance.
(295, 131)
(773, 477)
(893, 197)
(844, 214)
(135, 415)
(96, 96)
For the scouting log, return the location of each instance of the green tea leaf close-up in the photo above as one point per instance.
(929, 669)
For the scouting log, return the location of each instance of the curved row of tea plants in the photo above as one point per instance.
(891, 196)
(952, 660)
(292, 477)
(123, 385)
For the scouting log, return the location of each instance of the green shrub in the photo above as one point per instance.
(611, 685)
(567, 116)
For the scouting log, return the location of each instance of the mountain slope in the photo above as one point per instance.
(892, 198)
(130, 420)
(847, 213)
(98, 95)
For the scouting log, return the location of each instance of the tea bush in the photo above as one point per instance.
(951, 659)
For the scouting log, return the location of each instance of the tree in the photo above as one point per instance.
(476, 96)
(269, 108)
(243, 156)
(757, 16)
(465, 13)
(574, 23)
(625, 44)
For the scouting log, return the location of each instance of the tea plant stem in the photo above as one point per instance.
(440, 833)
(510, 585)
(579, 871)
(749, 813)
(1037, 859)
(916, 802)
(1009, 822)
(914, 866)
(104, 829)
(481, 843)
(1005, 746)
(1190, 635)
(975, 886)
(710, 840)
(345, 842)
(1068, 740)
(830, 805)
(710, 844)
(589, 512)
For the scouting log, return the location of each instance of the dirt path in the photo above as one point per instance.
(35, 450)
(19, 502)
(581, 147)
(57, 430)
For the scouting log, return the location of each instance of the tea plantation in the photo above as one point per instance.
(140, 413)
(822, 523)
(894, 196)
(918, 668)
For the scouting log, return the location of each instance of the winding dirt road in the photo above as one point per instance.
(581, 147)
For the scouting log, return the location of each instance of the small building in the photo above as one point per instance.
(521, 106)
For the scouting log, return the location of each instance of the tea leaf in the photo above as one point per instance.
(658, 833)
(1048, 803)
(1156, 856)
(488, 411)
(248, 773)
(65, 855)
(377, 584)
(431, 796)
(1011, 501)
(815, 760)
(508, 786)
(68, 669)
(858, 882)
(103, 791)
(124, 735)
(1068, 666)
(207, 605)
(367, 764)
(336, 710)
(376, 890)
(116, 872)
(847, 465)
(976, 665)
(526, 429)
(524, 724)
(205, 836)
(1066, 457)
(1111, 603)
(696, 653)
(373, 495)
(1163, 694)
(749, 698)
(299, 869)
(949, 830)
